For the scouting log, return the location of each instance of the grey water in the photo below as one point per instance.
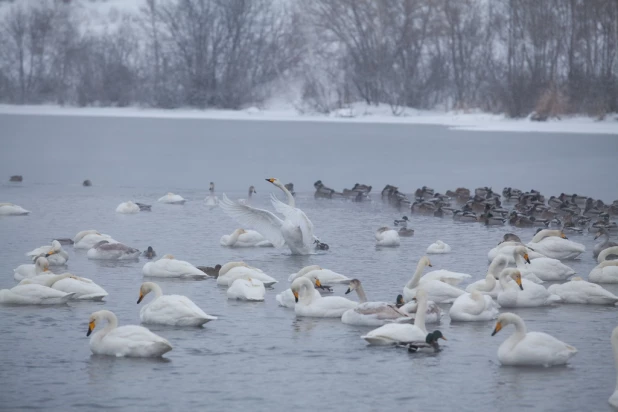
(259, 356)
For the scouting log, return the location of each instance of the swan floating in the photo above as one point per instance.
(86, 239)
(172, 199)
(128, 340)
(28, 293)
(245, 238)
(246, 288)
(472, 307)
(80, 288)
(55, 254)
(9, 209)
(433, 314)
(438, 247)
(529, 295)
(212, 200)
(580, 291)
(231, 271)
(613, 400)
(387, 237)
(507, 248)
(287, 298)
(312, 305)
(540, 269)
(128, 208)
(554, 244)
(437, 290)
(489, 286)
(327, 277)
(41, 265)
(112, 251)
(172, 310)
(524, 348)
(607, 270)
(169, 267)
(371, 313)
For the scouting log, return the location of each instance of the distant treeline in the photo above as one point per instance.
(512, 56)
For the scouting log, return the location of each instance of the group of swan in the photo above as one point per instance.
(54, 253)
(172, 310)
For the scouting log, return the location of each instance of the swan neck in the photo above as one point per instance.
(417, 275)
(50, 282)
(362, 297)
(543, 234)
(291, 201)
(156, 289)
(520, 327)
(496, 266)
(606, 252)
(306, 292)
(112, 323)
(421, 312)
(233, 238)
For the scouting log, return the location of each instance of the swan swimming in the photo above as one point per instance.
(554, 244)
(55, 254)
(40, 265)
(327, 277)
(172, 199)
(371, 313)
(212, 200)
(231, 271)
(170, 267)
(287, 299)
(80, 288)
(437, 290)
(473, 306)
(607, 270)
(104, 250)
(244, 238)
(529, 295)
(173, 310)
(9, 209)
(580, 291)
(86, 239)
(387, 237)
(128, 208)
(524, 348)
(489, 286)
(246, 288)
(312, 305)
(438, 247)
(128, 340)
(29, 293)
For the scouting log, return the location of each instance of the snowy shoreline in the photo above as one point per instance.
(359, 113)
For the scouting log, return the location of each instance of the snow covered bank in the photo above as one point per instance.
(359, 113)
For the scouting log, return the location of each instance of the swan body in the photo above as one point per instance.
(580, 291)
(244, 271)
(387, 237)
(327, 277)
(172, 310)
(54, 253)
(112, 251)
(547, 269)
(605, 272)
(524, 348)
(489, 286)
(172, 199)
(28, 293)
(437, 290)
(473, 306)
(438, 247)
(393, 333)
(553, 244)
(528, 295)
(246, 288)
(40, 266)
(128, 208)
(309, 304)
(507, 249)
(287, 298)
(244, 238)
(9, 209)
(169, 267)
(81, 288)
(128, 340)
(613, 400)
(446, 276)
(86, 239)
(371, 313)
(520, 256)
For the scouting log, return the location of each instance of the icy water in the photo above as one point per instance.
(259, 356)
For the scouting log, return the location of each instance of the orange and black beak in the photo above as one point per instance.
(270, 180)
(140, 298)
(90, 328)
(497, 329)
(295, 296)
(526, 258)
(51, 252)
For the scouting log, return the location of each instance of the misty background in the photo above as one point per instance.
(550, 57)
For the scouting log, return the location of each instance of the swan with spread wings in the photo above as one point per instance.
(294, 231)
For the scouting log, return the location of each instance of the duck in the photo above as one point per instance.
(603, 244)
(387, 237)
(438, 247)
(310, 305)
(437, 290)
(402, 333)
(525, 348)
(401, 222)
(128, 208)
(613, 400)
(607, 270)
(473, 306)
(29, 293)
(86, 239)
(244, 238)
(40, 265)
(169, 267)
(327, 277)
(578, 290)
(55, 254)
(246, 288)
(149, 253)
(530, 294)
(371, 313)
(144, 207)
(554, 244)
(429, 345)
(286, 298)
(211, 271)
(172, 199)
(81, 288)
(172, 310)
(10, 209)
(212, 200)
(405, 232)
(87, 183)
(104, 250)
(235, 270)
(128, 340)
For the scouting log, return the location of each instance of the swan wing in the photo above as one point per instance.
(262, 220)
(297, 218)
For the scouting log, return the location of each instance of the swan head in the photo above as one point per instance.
(274, 181)
(425, 261)
(92, 322)
(399, 301)
(503, 320)
(523, 252)
(299, 284)
(240, 231)
(144, 289)
(211, 187)
(252, 189)
(313, 277)
(42, 263)
(354, 284)
(562, 235)
(513, 274)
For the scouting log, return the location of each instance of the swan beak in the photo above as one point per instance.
(597, 235)
(318, 284)
(271, 180)
(526, 258)
(348, 291)
(497, 329)
(562, 235)
(90, 328)
(51, 252)
(46, 270)
(518, 281)
(140, 297)
(295, 296)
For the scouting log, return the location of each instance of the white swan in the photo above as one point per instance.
(327, 277)
(446, 276)
(371, 313)
(127, 207)
(613, 400)
(128, 340)
(86, 239)
(506, 248)
(309, 304)
(247, 201)
(554, 244)
(28, 293)
(529, 294)
(439, 247)
(173, 310)
(387, 237)
(9, 209)
(433, 314)
(212, 200)
(295, 232)
(236, 270)
(607, 270)
(489, 286)
(244, 238)
(524, 348)
(287, 299)
(473, 306)
(520, 256)
(112, 251)
(393, 333)
(580, 291)
(246, 288)
(172, 199)
(169, 267)
(437, 290)
(30, 270)
(54, 253)
(81, 288)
